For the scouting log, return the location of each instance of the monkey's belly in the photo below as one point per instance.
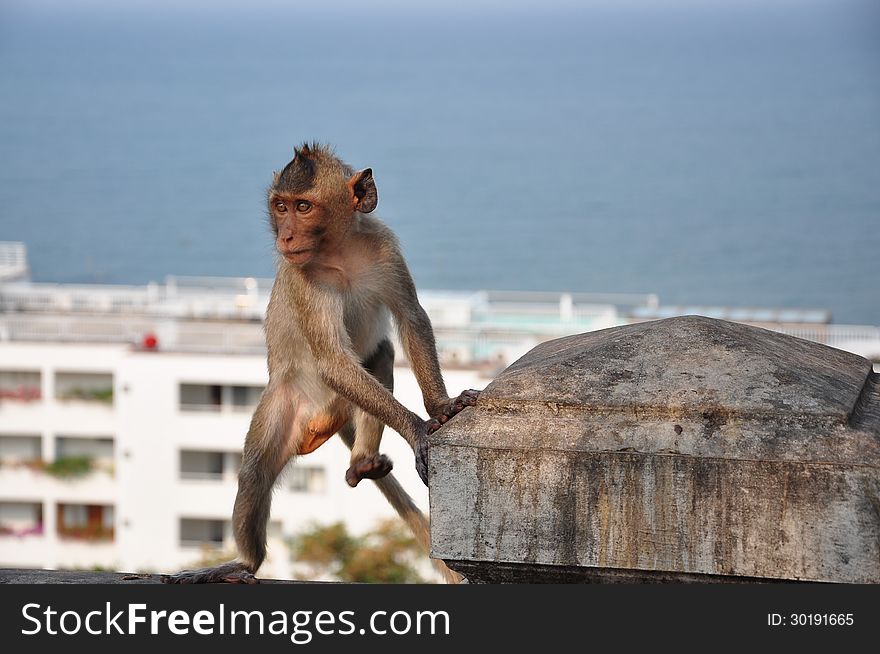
(318, 431)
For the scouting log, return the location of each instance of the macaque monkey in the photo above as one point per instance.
(340, 278)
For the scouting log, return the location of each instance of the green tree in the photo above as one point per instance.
(386, 555)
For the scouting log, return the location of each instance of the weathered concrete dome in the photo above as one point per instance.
(671, 449)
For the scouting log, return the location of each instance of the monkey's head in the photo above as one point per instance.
(315, 200)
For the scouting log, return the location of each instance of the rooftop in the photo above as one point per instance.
(224, 315)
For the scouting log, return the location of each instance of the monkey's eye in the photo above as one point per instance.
(280, 207)
(303, 207)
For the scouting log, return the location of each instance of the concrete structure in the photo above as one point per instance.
(78, 577)
(682, 449)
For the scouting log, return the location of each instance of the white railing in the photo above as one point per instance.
(555, 298)
(73, 328)
(247, 337)
(191, 475)
(834, 335)
(242, 336)
(224, 314)
(166, 300)
(247, 297)
(94, 298)
(188, 407)
(234, 285)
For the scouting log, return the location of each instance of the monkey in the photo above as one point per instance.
(340, 279)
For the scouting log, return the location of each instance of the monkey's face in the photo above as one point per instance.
(299, 222)
(314, 201)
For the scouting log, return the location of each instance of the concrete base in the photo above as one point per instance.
(517, 573)
(684, 449)
(26, 576)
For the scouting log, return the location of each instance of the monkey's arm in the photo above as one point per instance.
(341, 370)
(417, 338)
(416, 335)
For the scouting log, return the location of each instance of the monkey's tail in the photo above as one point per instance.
(400, 500)
(415, 520)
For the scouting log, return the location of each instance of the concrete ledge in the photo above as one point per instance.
(554, 574)
(679, 449)
(25, 576)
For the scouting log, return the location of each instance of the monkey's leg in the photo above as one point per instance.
(366, 462)
(267, 449)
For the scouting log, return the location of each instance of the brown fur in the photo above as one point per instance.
(340, 277)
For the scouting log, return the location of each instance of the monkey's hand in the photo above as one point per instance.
(454, 405)
(442, 414)
(430, 426)
(233, 572)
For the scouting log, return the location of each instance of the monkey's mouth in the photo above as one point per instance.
(296, 254)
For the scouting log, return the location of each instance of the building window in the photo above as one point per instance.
(245, 398)
(201, 397)
(84, 387)
(218, 397)
(308, 479)
(21, 518)
(20, 385)
(209, 465)
(20, 449)
(198, 532)
(86, 521)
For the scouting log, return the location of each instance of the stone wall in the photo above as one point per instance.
(687, 449)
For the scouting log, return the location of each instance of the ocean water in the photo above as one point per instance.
(724, 155)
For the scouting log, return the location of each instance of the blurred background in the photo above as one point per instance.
(549, 170)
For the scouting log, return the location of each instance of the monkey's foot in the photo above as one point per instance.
(228, 573)
(456, 405)
(372, 467)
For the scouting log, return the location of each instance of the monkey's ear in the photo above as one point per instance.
(363, 188)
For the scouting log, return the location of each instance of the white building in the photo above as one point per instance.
(165, 448)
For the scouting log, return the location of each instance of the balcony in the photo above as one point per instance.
(17, 450)
(84, 387)
(76, 458)
(21, 519)
(86, 522)
(84, 452)
(20, 386)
